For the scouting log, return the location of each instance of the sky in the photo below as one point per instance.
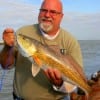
(81, 17)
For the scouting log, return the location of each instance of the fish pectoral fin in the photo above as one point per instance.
(37, 60)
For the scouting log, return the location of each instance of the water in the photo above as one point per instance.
(91, 57)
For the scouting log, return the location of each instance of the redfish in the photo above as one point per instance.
(43, 55)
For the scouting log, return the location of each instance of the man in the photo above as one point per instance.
(45, 84)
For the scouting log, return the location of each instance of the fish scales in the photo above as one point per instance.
(31, 47)
(64, 69)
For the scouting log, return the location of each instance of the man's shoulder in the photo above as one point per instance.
(30, 31)
(67, 35)
(27, 27)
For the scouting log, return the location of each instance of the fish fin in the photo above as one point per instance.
(37, 60)
(69, 87)
(35, 70)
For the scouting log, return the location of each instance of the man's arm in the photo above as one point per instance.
(7, 54)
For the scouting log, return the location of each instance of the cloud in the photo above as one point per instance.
(83, 26)
(16, 14)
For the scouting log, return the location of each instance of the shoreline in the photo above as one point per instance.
(1, 42)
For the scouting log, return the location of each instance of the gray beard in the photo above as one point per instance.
(46, 27)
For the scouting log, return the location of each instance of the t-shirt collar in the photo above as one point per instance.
(48, 36)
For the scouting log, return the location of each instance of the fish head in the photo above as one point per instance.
(25, 46)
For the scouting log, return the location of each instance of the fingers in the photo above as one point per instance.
(8, 30)
(54, 76)
(57, 74)
(51, 74)
(8, 36)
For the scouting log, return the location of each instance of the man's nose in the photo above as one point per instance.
(47, 14)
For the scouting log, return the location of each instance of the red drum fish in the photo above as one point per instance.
(43, 55)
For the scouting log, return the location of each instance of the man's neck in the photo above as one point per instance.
(50, 35)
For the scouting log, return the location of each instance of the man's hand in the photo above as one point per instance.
(8, 37)
(7, 53)
(54, 76)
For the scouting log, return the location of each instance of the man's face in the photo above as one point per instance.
(50, 16)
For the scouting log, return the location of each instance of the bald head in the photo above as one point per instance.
(53, 4)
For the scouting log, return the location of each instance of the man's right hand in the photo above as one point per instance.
(9, 37)
(7, 55)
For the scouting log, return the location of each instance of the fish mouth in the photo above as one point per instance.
(25, 45)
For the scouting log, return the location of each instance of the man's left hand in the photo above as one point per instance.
(54, 76)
